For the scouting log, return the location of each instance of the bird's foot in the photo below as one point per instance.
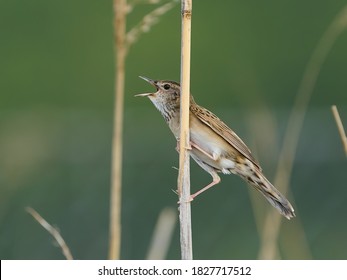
(189, 147)
(190, 199)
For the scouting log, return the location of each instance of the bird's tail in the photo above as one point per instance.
(257, 180)
(272, 195)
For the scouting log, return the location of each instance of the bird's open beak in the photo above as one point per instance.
(143, 94)
(152, 82)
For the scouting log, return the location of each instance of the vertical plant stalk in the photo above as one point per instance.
(117, 141)
(272, 222)
(123, 42)
(184, 163)
(340, 127)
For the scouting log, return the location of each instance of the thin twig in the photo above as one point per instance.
(340, 127)
(286, 159)
(184, 167)
(52, 231)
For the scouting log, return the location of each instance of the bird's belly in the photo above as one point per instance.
(216, 152)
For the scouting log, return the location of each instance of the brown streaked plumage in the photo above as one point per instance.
(214, 146)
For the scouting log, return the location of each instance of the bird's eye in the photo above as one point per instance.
(166, 86)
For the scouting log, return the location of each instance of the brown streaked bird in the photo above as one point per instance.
(214, 146)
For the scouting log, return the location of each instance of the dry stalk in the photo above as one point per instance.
(340, 127)
(52, 231)
(272, 222)
(122, 44)
(117, 140)
(184, 164)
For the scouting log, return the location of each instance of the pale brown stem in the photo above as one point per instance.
(184, 164)
(340, 127)
(52, 231)
(286, 159)
(122, 43)
(117, 141)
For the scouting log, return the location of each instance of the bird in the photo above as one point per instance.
(214, 146)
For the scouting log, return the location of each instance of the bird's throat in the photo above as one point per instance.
(168, 111)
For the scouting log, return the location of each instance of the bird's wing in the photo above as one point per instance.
(223, 130)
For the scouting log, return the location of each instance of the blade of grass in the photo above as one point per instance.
(52, 231)
(340, 127)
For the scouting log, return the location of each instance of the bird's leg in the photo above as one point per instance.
(178, 146)
(216, 180)
(193, 145)
(207, 168)
(213, 157)
(211, 171)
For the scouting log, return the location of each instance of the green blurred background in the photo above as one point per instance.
(248, 58)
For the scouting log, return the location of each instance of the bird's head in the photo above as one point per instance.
(167, 96)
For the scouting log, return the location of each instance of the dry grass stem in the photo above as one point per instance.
(122, 43)
(52, 231)
(162, 235)
(295, 122)
(184, 163)
(340, 127)
(147, 23)
(117, 140)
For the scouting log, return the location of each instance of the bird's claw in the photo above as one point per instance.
(191, 198)
(189, 147)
